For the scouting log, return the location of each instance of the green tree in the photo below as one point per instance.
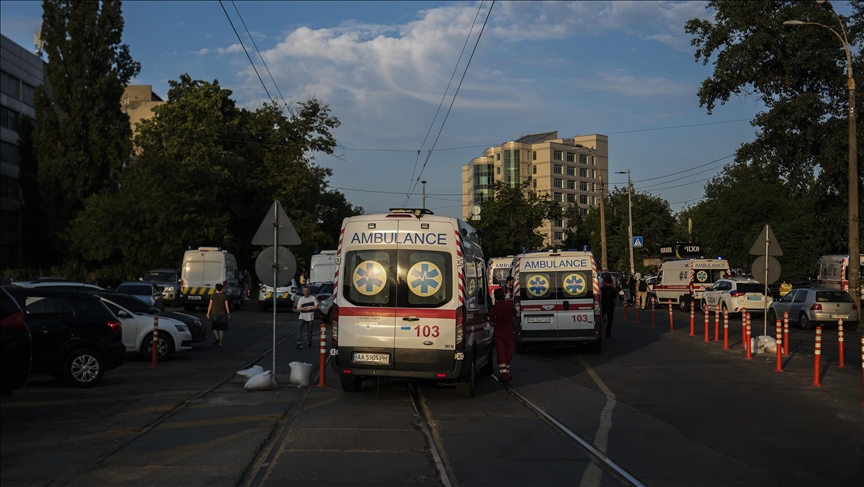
(83, 137)
(206, 174)
(800, 151)
(37, 250)
(509, 221)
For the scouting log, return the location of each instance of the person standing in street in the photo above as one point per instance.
(501, 317)
(643, 293)
(218, 312)
(625, 286)
(508, 289)
(608, 295)
(632, 283)
(306, 306)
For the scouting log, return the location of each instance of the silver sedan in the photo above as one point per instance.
(816, 306)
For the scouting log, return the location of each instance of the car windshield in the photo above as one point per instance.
(160, 276)
(131, 303)
(833, 297)
(751, 288)
(325, 289)
(136, 289)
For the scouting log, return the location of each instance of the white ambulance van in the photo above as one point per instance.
(322, 267)
(832, 271)
(683, 281)
(557, 295)
(500, 268)
(410, 301)
(204, 268)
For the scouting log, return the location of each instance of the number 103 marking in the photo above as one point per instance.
(580, 318)
(427, 331)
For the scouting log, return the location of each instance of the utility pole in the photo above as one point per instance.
(630, 215)
(604, 265)
(424, 194)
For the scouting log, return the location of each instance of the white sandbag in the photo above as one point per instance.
(766, 344)
(250, 372)
(301, 374)
(261, 382)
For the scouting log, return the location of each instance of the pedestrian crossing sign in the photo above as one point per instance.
(637, 242)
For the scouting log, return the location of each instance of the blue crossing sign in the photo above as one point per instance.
(637, 242)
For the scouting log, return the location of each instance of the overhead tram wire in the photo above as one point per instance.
(259, 55)
(245, 50)
(447, 115)
(443, 97)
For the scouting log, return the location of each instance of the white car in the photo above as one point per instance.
(735, 295)
(56, 284)
(174, 336)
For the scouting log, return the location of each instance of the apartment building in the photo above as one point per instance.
(569, 169)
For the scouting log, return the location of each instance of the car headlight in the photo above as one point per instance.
(181, 328)
(169, 289)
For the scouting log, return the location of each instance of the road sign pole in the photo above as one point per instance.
(275, 272)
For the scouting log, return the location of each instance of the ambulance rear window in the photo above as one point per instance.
(405, 278)
(425, 278)
(371, 278)
(708, 276)
(556, 285)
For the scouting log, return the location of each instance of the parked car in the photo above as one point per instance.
(60, 284)
(174, 336)
(15, 343)
(325, 301)
(135, 305)
(75, 336)
(169, 281)
(816, 306)
(734, 295)
(149, 293)
(284, 296)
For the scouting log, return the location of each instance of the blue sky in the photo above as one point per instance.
(623, 69)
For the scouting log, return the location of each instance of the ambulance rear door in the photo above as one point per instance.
(538, 298)
(426, 294)
(574, 279)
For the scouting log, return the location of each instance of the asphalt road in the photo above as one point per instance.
(669, 408)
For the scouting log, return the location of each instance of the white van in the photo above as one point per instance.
(832, 271)
(557, 295)
(204, 268)
(500, 268)
(410, 301)
(683, 281)
(322, 267)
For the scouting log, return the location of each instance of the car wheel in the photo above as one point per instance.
(350, 383)
(164, 347)
(772, 316)
(466, 388)
(703, 306)
(84, 367)
(597, 347)
(683, 304)
(804, 322)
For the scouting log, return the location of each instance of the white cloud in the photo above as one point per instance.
(233, 48)
(631, 85)
(202, 52)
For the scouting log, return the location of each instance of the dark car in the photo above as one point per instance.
(135, 305)
(169, 281)
(75, 336)
(14, 346)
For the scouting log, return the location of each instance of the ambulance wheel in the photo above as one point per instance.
(684, 304)
(350, 383)
(487, 369)
(466, 389)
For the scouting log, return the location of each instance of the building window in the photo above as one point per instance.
(9, 188)
(534, 183)
(557, 223)
(583, 159)
(498, 170)
(512, 175)
(558, 169)
(559, 197)
(9, 85)
(558, 155)
(534, 155)
(9, 118)
(583, 199)
(571, 171)
(593, 161)
(571, 157)
(571, 184)
(583, 186)
(557, 183)
(559, 236)
(9, 154)
(583, 211)
(571, 198)
(594, 200)
(534, 169)
(27, 93)
(594, 174)
(583, 173)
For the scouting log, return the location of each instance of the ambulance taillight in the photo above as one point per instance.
(460, 329)
(335, 325)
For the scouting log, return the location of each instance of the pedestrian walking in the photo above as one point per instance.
(608, 294)
(631, 280)
(508, 289)
(643, 293)
(218, 312)
(302, 278)
(501, 317)
(306, 306)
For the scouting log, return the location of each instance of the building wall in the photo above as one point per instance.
(138, 102)
(21, 72)
(575, 164)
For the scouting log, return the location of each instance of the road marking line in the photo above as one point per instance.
(592, 474)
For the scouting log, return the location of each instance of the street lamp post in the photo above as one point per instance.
(424, 194)
(630, 214)
(854, 241)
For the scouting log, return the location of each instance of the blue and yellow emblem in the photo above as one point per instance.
(701, 276)
(424, 279)
(538, 285)
(574, 285)
(369, 278)
(472, 286)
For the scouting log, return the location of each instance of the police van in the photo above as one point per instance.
(683, 281)
(557, 295)
(500, 268)
(202, 269)
(410, 301)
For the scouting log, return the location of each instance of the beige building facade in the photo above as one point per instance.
(568, 169)
(138, 102)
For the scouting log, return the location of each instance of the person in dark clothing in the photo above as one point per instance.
(501, 316)
(218, 312)
(608, 295)
(632, 282)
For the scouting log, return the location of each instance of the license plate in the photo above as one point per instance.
(754, 298)
(371, 358)
(194, 298)
(539, 319)
(845, 317)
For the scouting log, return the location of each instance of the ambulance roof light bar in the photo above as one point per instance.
(418, 212)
